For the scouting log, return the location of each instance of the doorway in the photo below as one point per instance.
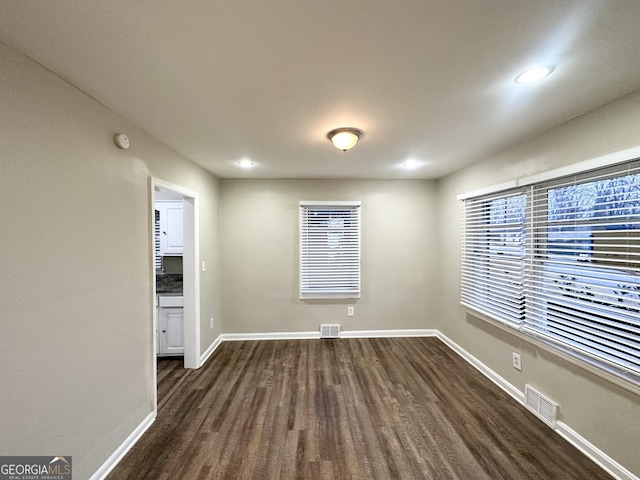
(190, 276)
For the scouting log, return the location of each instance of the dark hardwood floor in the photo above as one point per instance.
(399, 408)
(171, 376)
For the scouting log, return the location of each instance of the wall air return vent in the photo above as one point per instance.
(541, 406)
(330, 330)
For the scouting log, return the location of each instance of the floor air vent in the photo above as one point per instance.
(541, 406)
(330, 330)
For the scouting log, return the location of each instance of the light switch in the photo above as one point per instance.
(204, 266)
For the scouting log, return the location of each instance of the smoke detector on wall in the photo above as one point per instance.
(121, 141)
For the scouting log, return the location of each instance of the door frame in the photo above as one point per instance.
(190, 276)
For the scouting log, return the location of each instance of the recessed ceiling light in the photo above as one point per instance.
(246, 163)
(411, 163)
(534, 74)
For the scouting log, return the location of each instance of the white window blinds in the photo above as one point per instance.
(330, 249)
(560, 261)
(493, 256)
(583, 284)
(156, 240)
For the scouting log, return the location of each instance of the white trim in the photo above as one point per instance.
(494, 320)
(122, 450)
(191, 281)
(607, 160)
(607, 463)
(233, 337)
(487, 190)
(154, 310)
(209, 351)
(583, 166)
(388, 333)
(191, 269)
(185, 192)
(514, 392)
(355, 203)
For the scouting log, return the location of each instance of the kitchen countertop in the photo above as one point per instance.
(169, 284)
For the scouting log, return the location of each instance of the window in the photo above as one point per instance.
(493, 256)
(330, 249)
(578, 285)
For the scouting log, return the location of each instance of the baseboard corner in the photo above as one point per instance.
(122, 450)
(209, 351)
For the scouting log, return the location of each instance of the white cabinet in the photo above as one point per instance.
(169, 227)
(170, 325)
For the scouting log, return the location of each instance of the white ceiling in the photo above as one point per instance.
(431, 80)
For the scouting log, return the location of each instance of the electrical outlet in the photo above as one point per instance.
(351, 311)
(517, 362)
(211, 323)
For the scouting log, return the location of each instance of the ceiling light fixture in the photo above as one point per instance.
(411, 164)
(246, 163)
(344, 138)
(534, 74)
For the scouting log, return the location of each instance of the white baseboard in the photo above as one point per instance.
(482, 368)
(209, 351)
(122, 450)
(227, 337)
(388, 333)
(234, 337)
(594, 453)
(607, 463)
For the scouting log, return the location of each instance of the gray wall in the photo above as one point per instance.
(602, 412)
(76, 283)
(259, 231)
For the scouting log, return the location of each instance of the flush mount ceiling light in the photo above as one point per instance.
(411, 164)
(534, 74)
(344, 138)
(245, 163)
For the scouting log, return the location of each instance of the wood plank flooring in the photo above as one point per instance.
(171, 375)
(399, 408)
